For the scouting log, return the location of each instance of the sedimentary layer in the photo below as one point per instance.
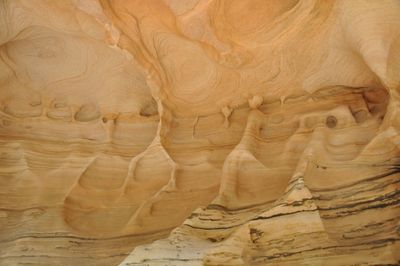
(199, 132)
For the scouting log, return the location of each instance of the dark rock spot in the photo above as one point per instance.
(255, 234)
(150, 109)
(331, 121)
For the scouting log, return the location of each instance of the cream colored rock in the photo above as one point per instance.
(199, 132)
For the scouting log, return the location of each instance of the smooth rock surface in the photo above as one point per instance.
(199, 132)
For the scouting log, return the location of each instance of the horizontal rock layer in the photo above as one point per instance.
(199, 132)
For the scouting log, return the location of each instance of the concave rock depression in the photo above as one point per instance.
(199, 132)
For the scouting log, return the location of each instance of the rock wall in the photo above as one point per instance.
(233, 132)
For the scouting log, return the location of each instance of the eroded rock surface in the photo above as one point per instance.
(199, 132)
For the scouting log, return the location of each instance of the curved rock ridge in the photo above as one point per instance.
(199, 132)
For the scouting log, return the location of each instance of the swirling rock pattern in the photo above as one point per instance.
(199, 132)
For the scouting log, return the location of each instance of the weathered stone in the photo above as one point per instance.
(233, 132)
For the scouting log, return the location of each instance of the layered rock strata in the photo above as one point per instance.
(199, 132)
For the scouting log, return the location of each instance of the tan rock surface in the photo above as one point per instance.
(232, 132)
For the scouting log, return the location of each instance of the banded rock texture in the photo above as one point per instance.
(199, 132)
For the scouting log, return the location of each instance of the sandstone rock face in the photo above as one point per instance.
(199, 132)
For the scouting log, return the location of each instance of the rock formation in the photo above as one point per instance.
(199, 132)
